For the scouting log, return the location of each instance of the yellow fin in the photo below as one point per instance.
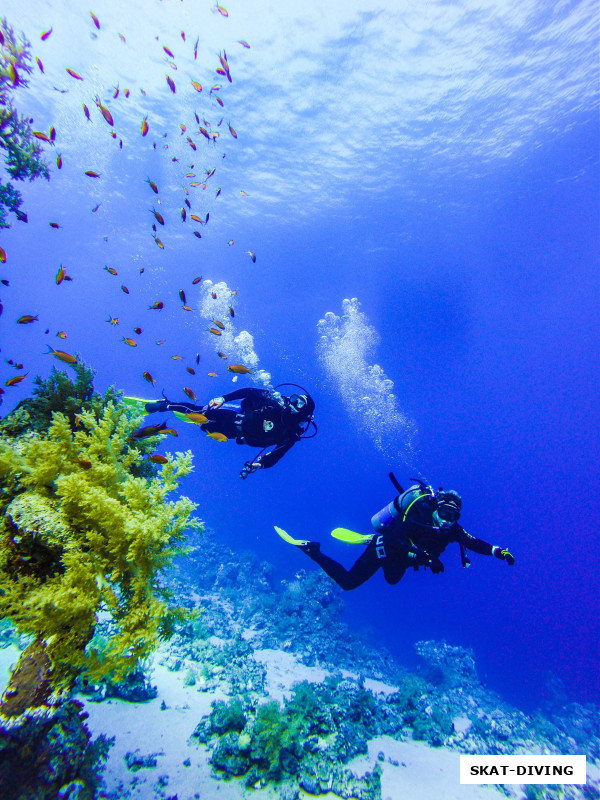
(287, 538)
(351, 537)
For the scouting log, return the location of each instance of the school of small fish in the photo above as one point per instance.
(208, 134)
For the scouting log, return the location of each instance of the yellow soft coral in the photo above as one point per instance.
(84, 538)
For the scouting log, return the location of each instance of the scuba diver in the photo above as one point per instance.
(257, 417)
(413, 530)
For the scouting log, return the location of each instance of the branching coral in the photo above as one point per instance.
(83, 538)
(23, 152)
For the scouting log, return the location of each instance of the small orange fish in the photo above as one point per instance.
(231, 312)
(104, 111)
(222, 10)
(43, 136)
(39, 63)
(182, 295)
(230, 242)
(196, 280)
(239, 369)
(177, 358)
(190, 393)
(219, 324)
(60, 275)
(196, 417)
(196, 218)
(95, 18)
(61, 355)
(232, 131)
(244, 43)
(130, 342)
(86, 111)
(221, 355)
(45, 35)
(158, 242)
(216, 331)
(213, 295)
(197, 86)
(148, 377)
(122, 38)
(172, 431)
(126, 92)
(160, 341)
(26, 318)
(243, 193)
(171, 83)
(159, 217)
(158, 459)
(187, 308)
(113, 320)
(152, 185)
(2, 256)
(218, 437)
(111, 270)
(156, 306)
(252, 256)
(91, 174)
(59, 160)
(212, 375)
(191, 370)
(62, 334)
(125, 289)
(218, 193)
(74, 74)
(197, 234)
(219, 101)
(145, 126)
(54, 225)
(17, 379)
(137, 330)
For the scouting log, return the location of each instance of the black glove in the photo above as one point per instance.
(435, 565)
(504, 555)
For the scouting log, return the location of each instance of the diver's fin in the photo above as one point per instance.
(351, 537)
(138, 403)
(287, 538)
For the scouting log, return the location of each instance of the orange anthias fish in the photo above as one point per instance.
(152, 185)
(17, 379)
(3, 256)
(182, 295)
(130, 342)
(252, 256)
(177, 358)
(39, 63)
(158, 459)
(190, 393)
(239, 369)
(104, 111)
(221, 355)
(60, 275)
(171, 83)
(187, 308)
(54, 225)
(91, 174)
(59, 160)
(45, 35)
(111, 270)
(212, 375)
(244, 43)
(219, 324)
(62, 334)
(196, 280)
(43, 136)
(197, 86)
(74, 74)
(159, 217)
(125, 289)
(61, 355)
(145, 126)
(158, 242)
(26, 318)
(232, 131)
(218, 437)
(137, 330)
(156, 306)
(148, 377)
(191, 370)
(216, 331)
(95, 18)
(196, 417)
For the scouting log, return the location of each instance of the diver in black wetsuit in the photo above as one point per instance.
(257, 417)
(413, 530)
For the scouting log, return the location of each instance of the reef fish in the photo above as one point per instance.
(61, 355)
(239, 369)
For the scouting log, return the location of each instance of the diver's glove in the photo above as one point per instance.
(503, 554)
(435, 565)
(249, 468)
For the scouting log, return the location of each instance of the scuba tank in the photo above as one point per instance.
(397, 510)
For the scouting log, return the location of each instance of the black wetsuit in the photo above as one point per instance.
(257, 417)
(412, 540)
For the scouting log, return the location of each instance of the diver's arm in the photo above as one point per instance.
(484, 548)
(270, 459)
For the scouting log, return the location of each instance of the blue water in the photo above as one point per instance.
(439, 165)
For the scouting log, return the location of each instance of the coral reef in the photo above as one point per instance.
(84, 539)
(46, 753)
(23, 151)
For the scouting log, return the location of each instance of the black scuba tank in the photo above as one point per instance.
(397, 510)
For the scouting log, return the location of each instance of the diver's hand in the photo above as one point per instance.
(504, 555)
(216, 402)
(435, 565)
(249, 468)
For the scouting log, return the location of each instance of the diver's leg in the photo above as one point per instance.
(363, 568)
(394, 572)
(221, 420)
